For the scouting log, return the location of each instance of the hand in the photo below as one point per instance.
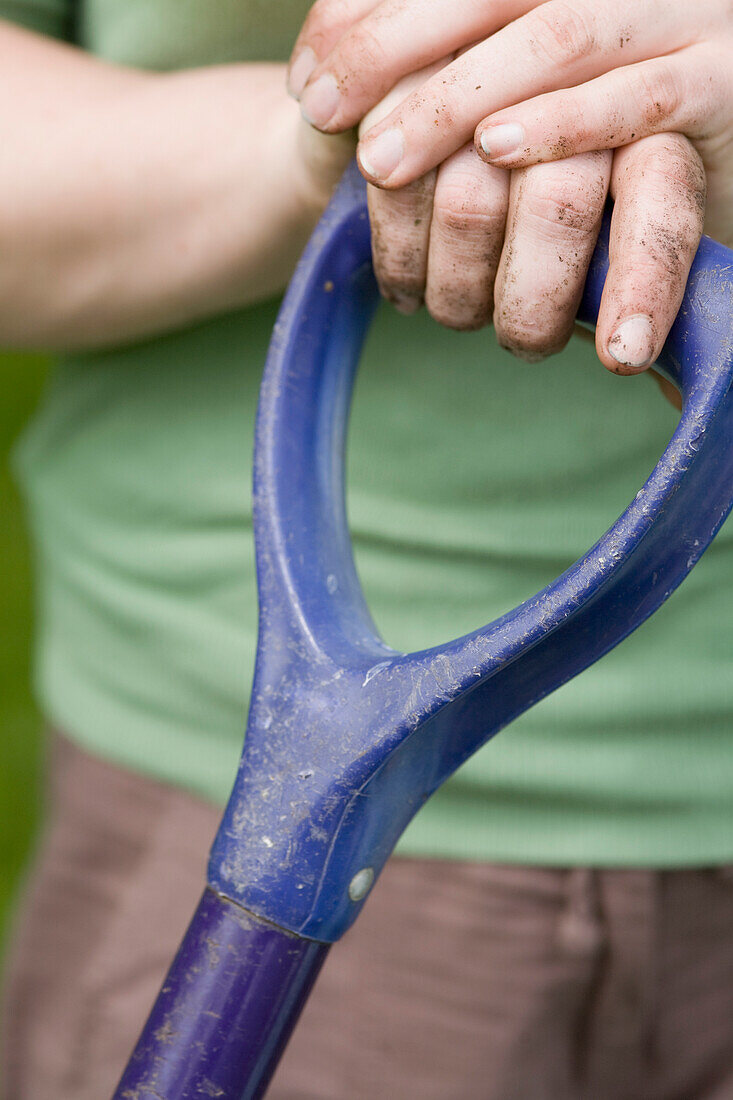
(471, 240)
(567, 76)
(439, 239)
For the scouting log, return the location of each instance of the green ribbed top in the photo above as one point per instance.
(473, 481)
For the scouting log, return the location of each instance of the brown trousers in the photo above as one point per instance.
(460, 981)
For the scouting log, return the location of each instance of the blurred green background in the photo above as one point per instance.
(22, 378)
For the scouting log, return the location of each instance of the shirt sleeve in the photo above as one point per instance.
(51, 17)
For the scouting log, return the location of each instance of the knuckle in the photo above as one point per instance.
(676, 169)
(460, 209)
(560, 209)
(564, 32)
(363, 50)
(657, 88)
(573, 130)
(322, 20)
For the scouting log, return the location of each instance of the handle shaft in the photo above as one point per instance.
(226, 1010)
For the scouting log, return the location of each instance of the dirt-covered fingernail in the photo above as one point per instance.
(319, 102)
(502, 141)
(301, 68)
(527, 356)
(632, 344)
(404, 303)
(380, 155)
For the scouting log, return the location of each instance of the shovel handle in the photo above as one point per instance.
(346, 737)
(352, 735)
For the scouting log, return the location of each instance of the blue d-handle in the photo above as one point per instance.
(347, 737)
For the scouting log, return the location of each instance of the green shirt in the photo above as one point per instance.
(473, 481)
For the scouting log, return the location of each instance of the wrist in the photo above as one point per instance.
(319, 162)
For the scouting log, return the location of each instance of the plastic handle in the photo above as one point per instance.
(346, 737)
(226, 1010)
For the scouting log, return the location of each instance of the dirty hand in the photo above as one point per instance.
(559, 77)
(472, 240)
(444, 233)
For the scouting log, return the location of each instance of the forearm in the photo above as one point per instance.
(131, 203)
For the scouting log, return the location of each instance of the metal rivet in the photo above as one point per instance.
(361, 883)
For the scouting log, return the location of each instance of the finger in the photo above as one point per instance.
(400, 220)
(659, 187)
(400, 223)
(561, 43)
(400, 91)
(466, 235)
(664, 95)
(392, 40)
(555, 213)
(324, 25)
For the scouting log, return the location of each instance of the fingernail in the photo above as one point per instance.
(300, 70)
(379, 156)
(320, 100)
(501, 141)
(528, 356)
(403, 303)
(632, 344)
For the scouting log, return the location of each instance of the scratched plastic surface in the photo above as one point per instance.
(347, 737)
(248, 981)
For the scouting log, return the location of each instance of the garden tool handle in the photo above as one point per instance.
(353, 735)
(346, 736)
